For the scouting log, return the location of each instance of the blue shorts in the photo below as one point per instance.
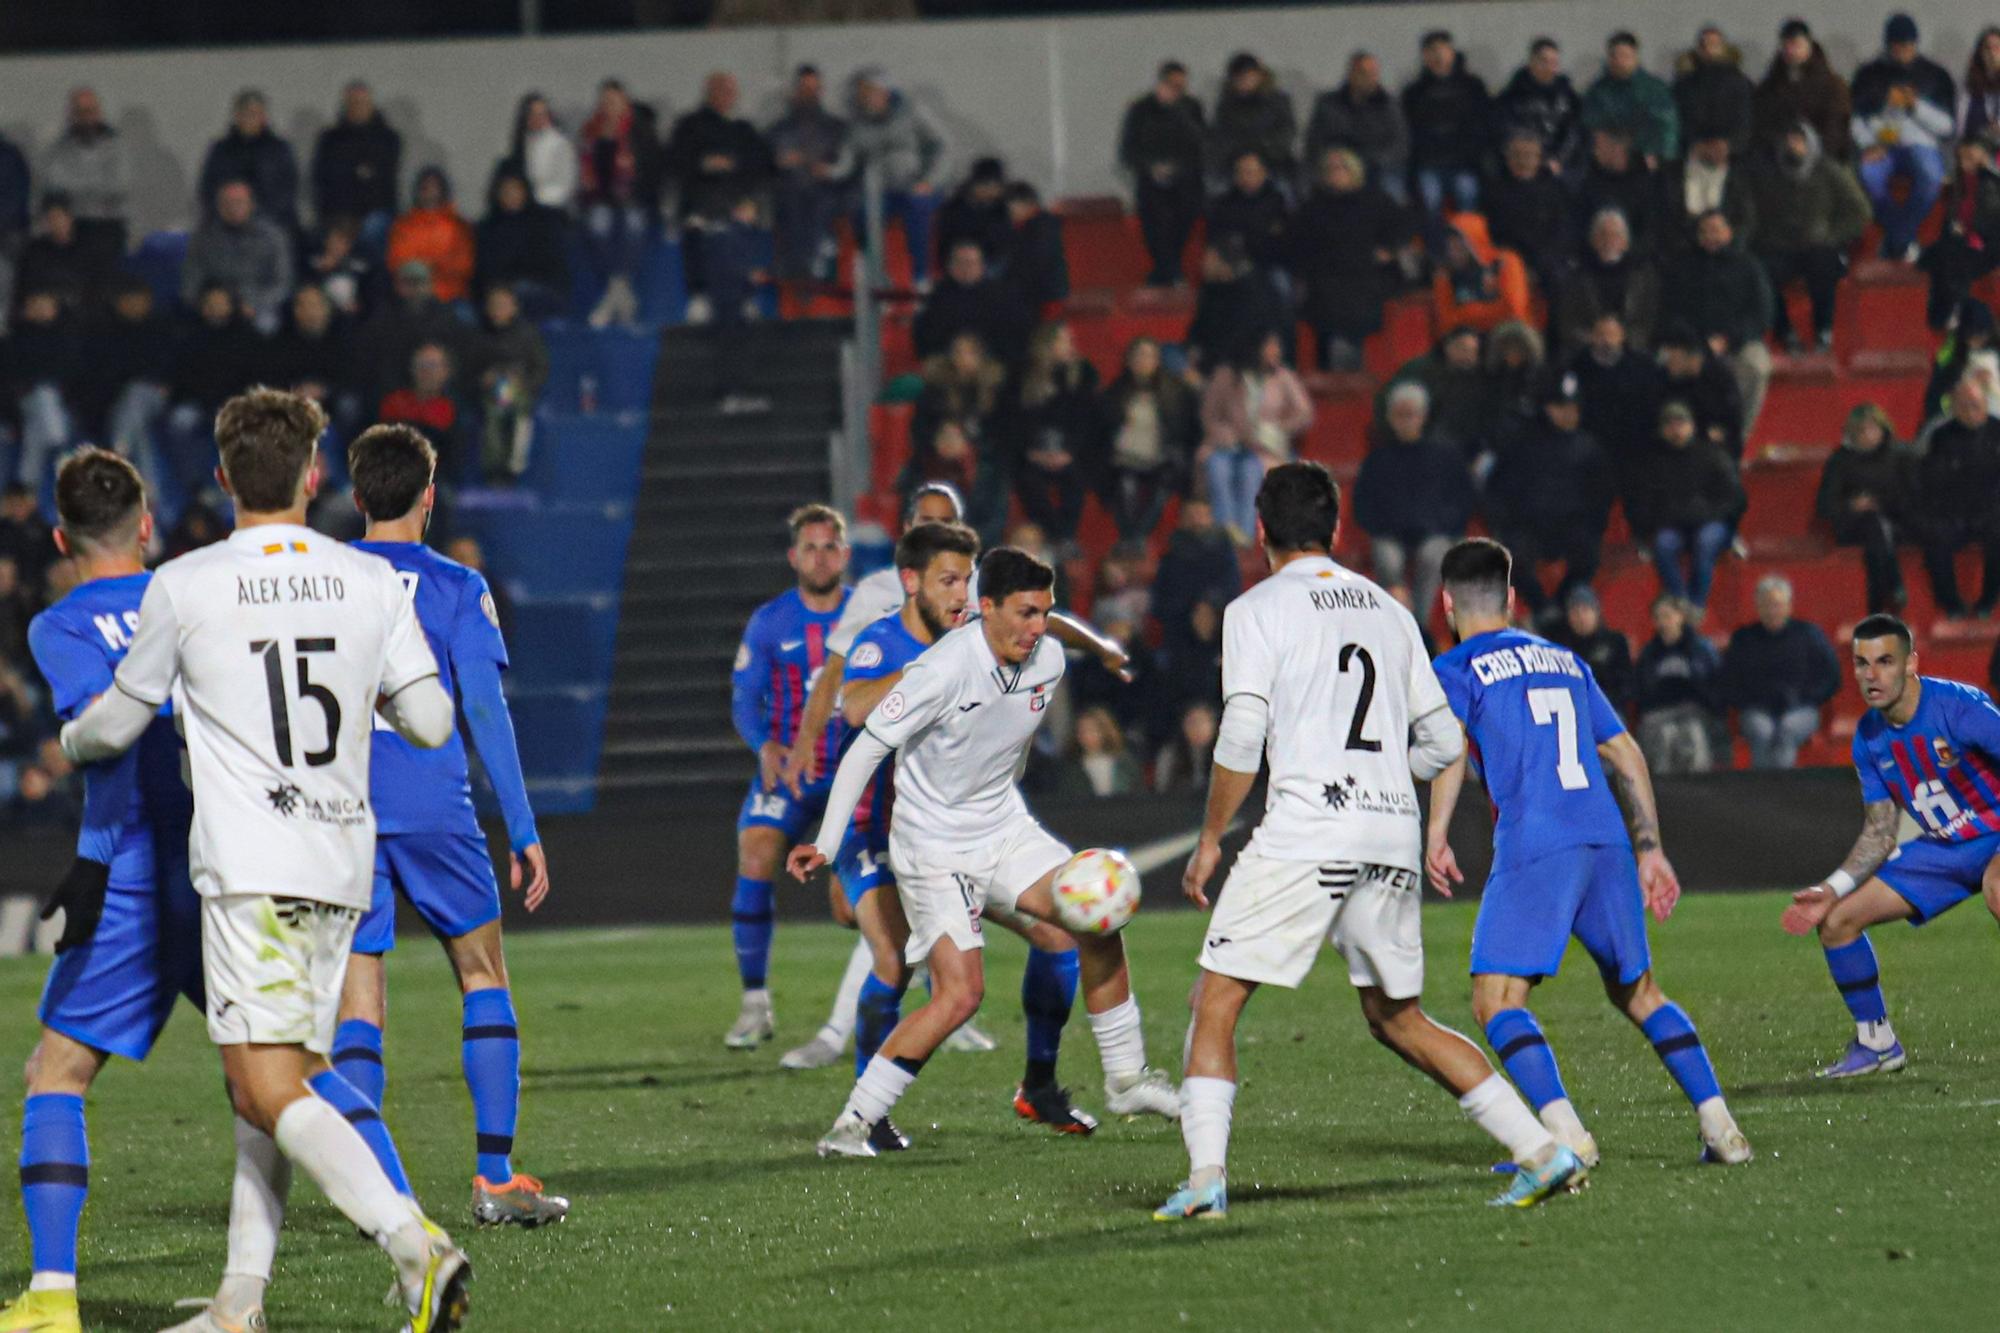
(1529, 912)
(1934, 877)
(447, 877)
(781, 810)
(863, 865)
(116, 992)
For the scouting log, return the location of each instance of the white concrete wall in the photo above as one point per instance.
(1044, 93)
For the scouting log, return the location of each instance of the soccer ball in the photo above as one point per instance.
(1097, 891)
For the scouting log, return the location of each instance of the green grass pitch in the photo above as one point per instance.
(1357, 1188)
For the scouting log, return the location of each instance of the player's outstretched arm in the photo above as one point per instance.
(802, 760)
(1871, 850)
(850, 780)
(1239, 747)
(1633, 784)
(1072, 632)
(421, 712)
(1440, 862)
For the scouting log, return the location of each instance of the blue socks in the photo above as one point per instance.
(354, 1107)
(876, 1014)
(493, 1076)
(1524, 1052)
(357, 1057)
(1048, 993)
(1859, 980)
(1680, 1050)
(55, 1177)
(753, 920)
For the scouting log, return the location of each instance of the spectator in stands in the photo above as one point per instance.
(976, 211)
(1414, 498)
(1540, 100)
(1161, 143)
(239, 249)
(1254, 115)
(1363, 118)
(1696, 376)
(520, 245)
(1451, 375)
(1100, 765)
(1982, 86)
(1971, 330)
(251, 152)
(540, 151)
(393, 333)
(1255, 213)
(1712, 93)
(1630, 98)
(1477, 283)
(1777, 673)
(1725, 296)
(810, 154)
(617, 155)
(434, 233)
(1810, 210)
(1449, 114)
(1958, 479)
(1549, 497)
(1905, 109)
(1528, 208)
(1619, 178)
(1619, 390)
(888, 133)
(1608, 278)
(510, 364)
(1513, 368)
(1968, 244)
(971, 300)
(1685, 503)
(1191, 691)
(14, 199)
(356, 166)
(428, 402)
(1606, 651)
(43, 363)
(311, 357)
(24, 537)
(1346, 241)
(88, 163)
(1238, 303)
(218, 356)
(1864, 498)
(1709, 177)
(1054, 426)
(1801, 85)
(954, 432)
(1199, 565)
(123, 388)
(337, 265)
(714, 158)
(1150, 426)
(1034, 265)
(1252, 412)
(57, 261)
(1675, 686)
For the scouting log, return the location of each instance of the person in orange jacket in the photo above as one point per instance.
(432, 231)
(1477, 283)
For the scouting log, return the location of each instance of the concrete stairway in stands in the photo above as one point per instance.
(709, 541)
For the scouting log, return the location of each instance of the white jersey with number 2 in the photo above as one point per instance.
(280, 640)
(1343, 670)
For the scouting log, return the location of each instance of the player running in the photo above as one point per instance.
(1325, 673)
(279, 646)
(935, 560)
(1931, 746)
(131, 940)
(428, 843)
(783, 650)
(961, 840)
(1563, 860)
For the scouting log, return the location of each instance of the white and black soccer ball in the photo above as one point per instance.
(1097, 891)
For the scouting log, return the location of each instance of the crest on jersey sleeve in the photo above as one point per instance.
(487, 605)
(742, 656)
(868, 655)
(893, 706)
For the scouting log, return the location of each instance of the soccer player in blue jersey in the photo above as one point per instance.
(783, 651)
(1557, 764)
(428, 843)
(131, 940)
(935, 562)
(1931, 747)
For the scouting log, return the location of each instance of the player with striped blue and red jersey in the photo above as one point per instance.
(783, 649)
(1930, 748)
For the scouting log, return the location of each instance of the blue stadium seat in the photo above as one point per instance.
(619, 361)
(662, 284)
(562, 642)
(158, 260)
(561, 732)
(580, 459)
(552, 550)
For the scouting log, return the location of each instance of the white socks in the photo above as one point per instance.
(839, 1025)
(52, 1282)
(1496, 1108)
(1121, 1045)
(1206, 1106)
(881, 1085)
(256, 1213)
(334, 1154)
(1715, 1118)
(1563, 1122)
(1876, 1036)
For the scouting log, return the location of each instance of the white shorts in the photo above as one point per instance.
(945, 891)
(1274, 915)
(274, 968)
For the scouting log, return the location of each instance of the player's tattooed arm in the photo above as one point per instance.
(1633, 786)
(1877, 841)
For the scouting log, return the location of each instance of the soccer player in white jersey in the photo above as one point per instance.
(1325, 673)
(278, 646)
(961, 840)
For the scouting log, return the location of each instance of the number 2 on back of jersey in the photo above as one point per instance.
(1559, 707)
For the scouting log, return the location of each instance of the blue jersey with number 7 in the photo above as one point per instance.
(1536, 717)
